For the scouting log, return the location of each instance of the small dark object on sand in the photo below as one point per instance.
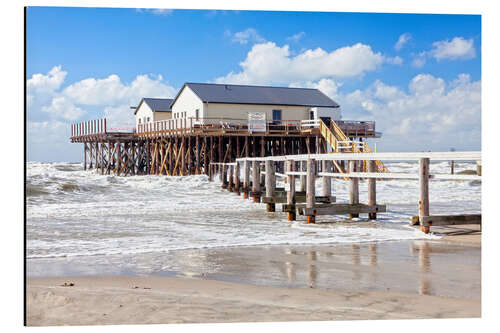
(66, 284)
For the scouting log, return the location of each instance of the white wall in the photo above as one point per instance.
(143, 112)
(333, 113)
(186, 104)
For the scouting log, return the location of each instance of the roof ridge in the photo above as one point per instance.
(248, 85)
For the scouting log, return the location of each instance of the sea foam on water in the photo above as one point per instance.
(72, 212)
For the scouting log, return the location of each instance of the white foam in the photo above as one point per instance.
(84, 213)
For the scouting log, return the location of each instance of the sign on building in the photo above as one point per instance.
(257, 122)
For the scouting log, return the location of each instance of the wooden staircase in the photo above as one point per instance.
(339, 142)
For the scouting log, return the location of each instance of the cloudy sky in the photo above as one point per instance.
(417, 76)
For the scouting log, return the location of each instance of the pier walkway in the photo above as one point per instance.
(259, 181)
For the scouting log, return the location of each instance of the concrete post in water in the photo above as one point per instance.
(270, 184)
(256, 181)
(290, 196)
(230, 178)
(246, 179)
(353, 188)
(262, 176)
(236, 181)
(302, 183)
(423, 203)
(219, 167)
(327, 181)
(372, 189)
(310, 188)
(224, 176)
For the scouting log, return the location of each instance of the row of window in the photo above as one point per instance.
(146, 120)
(184, 114)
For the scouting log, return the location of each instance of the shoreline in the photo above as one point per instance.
(386, 280)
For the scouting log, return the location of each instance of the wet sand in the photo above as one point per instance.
(386, 280)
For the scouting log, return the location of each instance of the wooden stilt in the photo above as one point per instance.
(246, 179)
(353, 188)
(270, 185)
(423, 203)
(290, 197)
(372, 189)
(255, 181)
(236, 181)
(310, 189)
(230, 186)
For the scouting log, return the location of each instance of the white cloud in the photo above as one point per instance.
(245, 36)
(110, 91)
(296, 37)
(402, 40)
(419, 60)
(328, 86)
(62, 107)
(432, 115)
(51, 108)
(457, 48)
(397, 60)
(267, 63)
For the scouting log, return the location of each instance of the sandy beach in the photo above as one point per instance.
(392, 280)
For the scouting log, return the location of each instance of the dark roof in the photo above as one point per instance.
(159, 104)
(244, 94)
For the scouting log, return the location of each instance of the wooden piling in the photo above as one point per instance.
(236, 180)
(372, 189)
(310, 188)
(246, 179)
(302, 183)
(326, 181)
(270, 184)
(479, 167)
(353, 188)
(255, 181)
(290, 197)
(224, 176)
(423, 203)
(84, 156)
(230, 178)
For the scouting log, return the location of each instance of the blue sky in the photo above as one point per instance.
(424, 92)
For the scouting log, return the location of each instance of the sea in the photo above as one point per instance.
(72, 213)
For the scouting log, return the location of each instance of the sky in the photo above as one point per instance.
(417, 75)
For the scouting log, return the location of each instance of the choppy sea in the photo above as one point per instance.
(72, 212)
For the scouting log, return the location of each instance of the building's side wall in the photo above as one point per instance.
(186, 105)
(240, 111)
(333, 113)
(143, 113)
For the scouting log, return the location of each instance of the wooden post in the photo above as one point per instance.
(118, 158)
(255, 181)
(452, 167)
(224, 176)
(246, 179)
(423, 203)
(236, 181)
(327, 181)
(479, 169)
(230, 178)
(372, 189)
(84, 156)
(353, 188)
(310, 189)
(290, 196)
(302, 182)
(270, 185)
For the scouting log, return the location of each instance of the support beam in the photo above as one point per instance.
(353, 188)
(255, 181)
(290, 196)
(326, 180)
(372, 189)
(310, 188)
(270, 185)
(423, 203)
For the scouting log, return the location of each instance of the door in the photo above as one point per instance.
(276, 117)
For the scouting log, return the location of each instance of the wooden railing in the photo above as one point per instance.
(91, 127)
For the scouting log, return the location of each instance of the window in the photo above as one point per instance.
(276, 117)
(139, 120)
(148, 119)
(197, 114)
